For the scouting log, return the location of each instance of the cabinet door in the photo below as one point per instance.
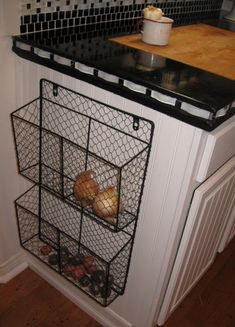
(209, 213)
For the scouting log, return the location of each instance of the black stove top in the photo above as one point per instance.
(190, 94)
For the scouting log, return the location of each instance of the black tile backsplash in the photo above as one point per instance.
(39, 15)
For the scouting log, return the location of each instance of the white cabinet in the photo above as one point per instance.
(178, 164)
(208, 216)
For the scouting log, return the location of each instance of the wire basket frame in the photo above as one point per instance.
(89, 163)
(68, 248)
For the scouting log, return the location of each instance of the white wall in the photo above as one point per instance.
(10, 17)
(10, 184)
(227, 5)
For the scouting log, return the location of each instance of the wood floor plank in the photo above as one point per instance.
(68, 315)
(216, 305)
(28, 312)
(32, 302)
(32, 308)
(17, 288)
(220, 317)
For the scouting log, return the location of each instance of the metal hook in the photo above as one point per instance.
(136, 123)
(55, 90)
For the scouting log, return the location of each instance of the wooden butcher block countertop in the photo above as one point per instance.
(202, 46)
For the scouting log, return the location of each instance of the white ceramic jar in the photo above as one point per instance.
(157, 32)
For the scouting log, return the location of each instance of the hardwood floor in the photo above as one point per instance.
(28, 300)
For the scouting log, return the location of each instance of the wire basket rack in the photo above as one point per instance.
(88, 162)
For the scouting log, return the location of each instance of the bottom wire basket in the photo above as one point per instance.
(91, 257)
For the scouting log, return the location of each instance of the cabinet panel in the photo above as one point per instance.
(229, 232)
(209, 213)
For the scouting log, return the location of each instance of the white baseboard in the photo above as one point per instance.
(105, 316)
(12, 267)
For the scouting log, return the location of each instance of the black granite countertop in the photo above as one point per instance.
(192, 95)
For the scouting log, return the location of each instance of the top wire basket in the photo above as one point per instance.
(88, 153)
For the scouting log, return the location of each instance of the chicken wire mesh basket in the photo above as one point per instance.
(88, 162)
(92, 155)
(76, 247)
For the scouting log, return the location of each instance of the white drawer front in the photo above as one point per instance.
(220, 147)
